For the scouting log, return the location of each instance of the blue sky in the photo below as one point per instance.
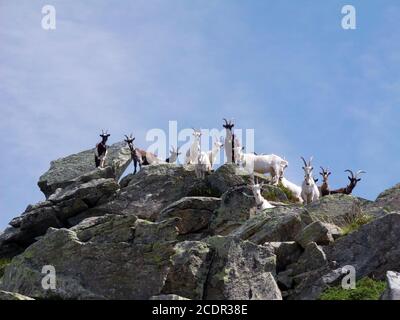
(285, 68)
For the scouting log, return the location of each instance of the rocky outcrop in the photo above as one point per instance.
(372, 251)
(319, 232)
(195, 213)
(338, 209)
(113, 257)
(56, 212)
(163, 234)
(123, 257)
(64, 171)
(152, 189)
(237, 206)
(241, 271)
(274, 225)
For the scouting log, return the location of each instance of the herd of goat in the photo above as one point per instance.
(271, 164)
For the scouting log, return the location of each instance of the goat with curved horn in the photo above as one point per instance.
(354, 179)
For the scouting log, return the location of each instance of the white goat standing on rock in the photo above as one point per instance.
(192, 155)
(202, 165)
(271, 164)
(212, 155)
(309, 189)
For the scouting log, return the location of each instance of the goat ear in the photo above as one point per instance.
(359, 179)
(349, 178)
(316, 180)
(329, 173)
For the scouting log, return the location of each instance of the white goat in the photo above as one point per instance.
(212, 155)
(202, 165)
(261, 202)
(192, 155)
(294, 188)
(309, 189)
(271, 164)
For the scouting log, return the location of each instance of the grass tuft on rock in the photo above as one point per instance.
(356, 223)
(366, 289)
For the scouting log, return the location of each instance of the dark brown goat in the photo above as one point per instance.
(324, 189)
(354, 179)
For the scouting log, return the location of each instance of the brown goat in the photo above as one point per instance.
(354, 179)
(139, 156)
(324, 189)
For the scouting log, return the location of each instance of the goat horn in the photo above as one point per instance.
(304, 160)
(359, 172)
(226, 121)
(351, 172)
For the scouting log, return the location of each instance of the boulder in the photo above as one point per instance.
(152, 189)
(313, 258)
(373, 249)
(64, 171)
(9, 249)
(237, 206)
(338, 209)
(393, 286)
(279, 224)
(319, 232)
(241, 270)
(57, 211)
(189, 270)
(195, 213)
(227, 176)
(286, 253)
(119, 257)
(123, 257)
